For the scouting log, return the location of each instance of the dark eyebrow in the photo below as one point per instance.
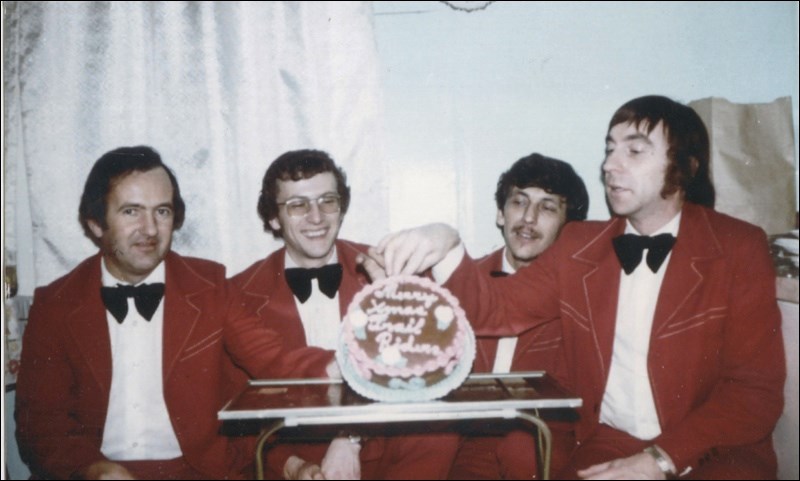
(521, 192)
(131, 206)
(638, 136)
(628, 138)
(134, 205)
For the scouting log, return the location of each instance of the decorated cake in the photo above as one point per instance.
(405, 338)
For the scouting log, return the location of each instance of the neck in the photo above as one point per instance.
(515, 263)
(309, 262)
(650, 222)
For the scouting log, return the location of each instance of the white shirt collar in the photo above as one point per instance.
(507, 267)
(670, 227)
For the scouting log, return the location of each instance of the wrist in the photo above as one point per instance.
(664, 463)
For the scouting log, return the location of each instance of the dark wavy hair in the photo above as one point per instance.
(551, 175)
(688, 150)
(293, 166)
(109, 169)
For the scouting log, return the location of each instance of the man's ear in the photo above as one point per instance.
(95, 228)
(275, 224)
(501, 219)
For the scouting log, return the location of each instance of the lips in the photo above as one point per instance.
(527, 234)
(147, 245)
(613, 189)
(316, 233)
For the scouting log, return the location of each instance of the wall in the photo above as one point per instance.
(469, 93)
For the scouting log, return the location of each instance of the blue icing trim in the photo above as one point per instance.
(413, 384)
(360, 333)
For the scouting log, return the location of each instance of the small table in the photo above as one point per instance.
(303, 402)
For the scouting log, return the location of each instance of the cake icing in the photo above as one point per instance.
(405, 338)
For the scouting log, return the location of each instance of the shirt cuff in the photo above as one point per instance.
(445, 268)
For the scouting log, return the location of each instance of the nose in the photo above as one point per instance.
(531, 213)
(314, 214)
(149, 224)
(611, 162)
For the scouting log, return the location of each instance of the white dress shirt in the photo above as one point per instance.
(505, 345)
(138, 425)
(628, 403)
(320, 314)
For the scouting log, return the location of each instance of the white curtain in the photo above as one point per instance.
(220, 89)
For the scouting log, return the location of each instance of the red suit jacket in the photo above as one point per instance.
(65, 373)
(267, 293)
(716, 360)
(537, 349)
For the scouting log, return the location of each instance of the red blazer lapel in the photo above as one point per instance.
(267, 293)
(696, 244)
(181, 308)
(86, 319)
(599, 276)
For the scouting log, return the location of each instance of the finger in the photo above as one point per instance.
(389, 252)
(376, 256)
(387, 239)
(311, 471)
(415, 262)
(372, 268)
(408, 254)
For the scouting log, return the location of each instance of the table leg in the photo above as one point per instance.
(262, 439)
(545, 436)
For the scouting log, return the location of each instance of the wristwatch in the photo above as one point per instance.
(663, 464)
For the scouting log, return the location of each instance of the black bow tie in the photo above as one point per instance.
(498, 274)
(629, 248)
(299, 280)
(145, 296)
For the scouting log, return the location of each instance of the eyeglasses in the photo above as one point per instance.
(300, 206)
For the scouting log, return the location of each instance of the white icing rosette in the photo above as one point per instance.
(358, 319)
(444, 317)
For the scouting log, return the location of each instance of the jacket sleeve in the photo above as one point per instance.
(507, 306)
(260, 350)
(52, 440)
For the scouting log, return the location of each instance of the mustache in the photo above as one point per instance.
(532, 233)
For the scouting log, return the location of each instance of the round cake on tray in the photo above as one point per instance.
(405, 338)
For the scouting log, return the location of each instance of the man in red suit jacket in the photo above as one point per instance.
(131, 388)
(304, 199)
(672, 341)
(535, 198)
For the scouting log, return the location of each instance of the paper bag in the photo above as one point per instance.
(752, 160)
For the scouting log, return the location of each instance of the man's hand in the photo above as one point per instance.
(638, 466)
(372, 264)
(297, 468)
(107, 470)
(413, 251)
(342, 460)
